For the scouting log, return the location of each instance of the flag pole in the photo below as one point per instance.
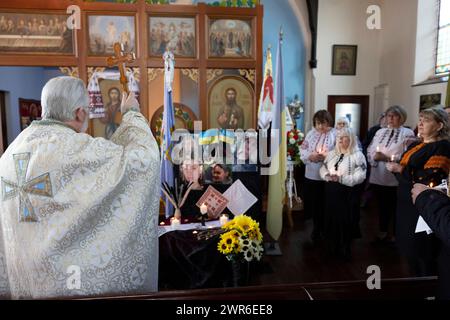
(277, 178)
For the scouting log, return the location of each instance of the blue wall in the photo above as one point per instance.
(22, 82)
(279, 13)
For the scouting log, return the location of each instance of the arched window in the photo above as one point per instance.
(443, 46)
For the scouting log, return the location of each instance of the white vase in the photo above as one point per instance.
(177, 213)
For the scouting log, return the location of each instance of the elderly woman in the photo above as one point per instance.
(427, 162)
(344, 169)
(388, 144)
(343, 122)
(318, 142)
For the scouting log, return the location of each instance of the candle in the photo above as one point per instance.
(204, 209)
(175, 223)
(431, 185)
(223, 219)
(378, 148)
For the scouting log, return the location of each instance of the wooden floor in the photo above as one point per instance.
(301, 263)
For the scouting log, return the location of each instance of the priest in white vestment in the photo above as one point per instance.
(79, 215)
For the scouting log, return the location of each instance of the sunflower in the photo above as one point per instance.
(255, 234)
(244, 223)
(241, 240)
(223, 247)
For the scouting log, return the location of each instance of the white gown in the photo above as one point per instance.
(71, 201)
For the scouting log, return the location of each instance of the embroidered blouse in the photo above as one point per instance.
(391, 142)
(350, 167)
(319, 142)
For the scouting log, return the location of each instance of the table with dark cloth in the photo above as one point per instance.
(186, 262)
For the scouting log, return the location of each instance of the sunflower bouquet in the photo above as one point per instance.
(242, 240)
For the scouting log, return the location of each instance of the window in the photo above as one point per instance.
(443, 47)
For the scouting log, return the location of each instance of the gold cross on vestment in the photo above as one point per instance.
(41, 186)
(119, 59)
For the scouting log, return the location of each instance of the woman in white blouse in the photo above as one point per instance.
(318, 142)
(388, 145)
(344, 169)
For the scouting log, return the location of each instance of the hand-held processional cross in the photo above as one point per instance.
(120, 59)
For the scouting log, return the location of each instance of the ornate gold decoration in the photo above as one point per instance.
(191, 73)
(92, 70)
(136, 73)
(70, 71)
(249, 74)
(211, 74)
(153, 73)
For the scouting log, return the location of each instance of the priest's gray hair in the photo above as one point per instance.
(61, 96)
(346, 132)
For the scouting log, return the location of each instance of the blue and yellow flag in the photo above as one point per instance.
(212, 136)
(277, 178)
(168, 125)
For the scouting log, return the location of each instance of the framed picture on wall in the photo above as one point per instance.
(429, 100)
(230, 38)
(344, 60)
(29, 110)
(105, 30)
(36, 33)
(177, 34)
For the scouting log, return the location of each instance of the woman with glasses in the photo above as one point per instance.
(388, 144)
(344, 169)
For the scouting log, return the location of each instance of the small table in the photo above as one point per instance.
(189, 259)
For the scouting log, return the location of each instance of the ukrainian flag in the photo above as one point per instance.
(213, 136)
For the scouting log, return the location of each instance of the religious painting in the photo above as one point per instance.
(344, 60)
(111, 92)
(37, 33)
(230, 38)
(429, 100)
(176, 34)
(231, 103)
(106, 30)
(29, 110)
(184, 119)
